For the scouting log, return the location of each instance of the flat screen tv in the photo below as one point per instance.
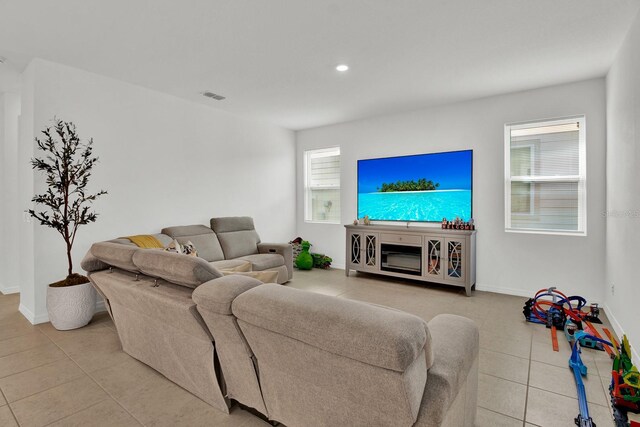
(421, 187)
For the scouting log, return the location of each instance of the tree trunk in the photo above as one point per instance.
(70, 260)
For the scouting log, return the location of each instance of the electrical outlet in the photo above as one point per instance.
(613, 289)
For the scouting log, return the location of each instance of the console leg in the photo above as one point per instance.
(346, 272)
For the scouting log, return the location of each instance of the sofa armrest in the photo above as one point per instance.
(456, 344)
(217, 295)
(284, 249)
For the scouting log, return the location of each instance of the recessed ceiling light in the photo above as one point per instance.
(342, 68)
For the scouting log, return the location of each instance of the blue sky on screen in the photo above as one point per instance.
(452, 170)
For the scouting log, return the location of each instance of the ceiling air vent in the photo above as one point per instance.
(213, 95)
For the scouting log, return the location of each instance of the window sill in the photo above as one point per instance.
(548, 232)
(310, 221)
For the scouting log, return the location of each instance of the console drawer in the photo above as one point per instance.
(405, 239)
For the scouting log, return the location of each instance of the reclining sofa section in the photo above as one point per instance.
(324, 360)
(148, 295)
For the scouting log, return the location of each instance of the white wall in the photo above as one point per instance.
(506, 262)
(10, 212)
(25, 193)
(623, 187)
(163, 160)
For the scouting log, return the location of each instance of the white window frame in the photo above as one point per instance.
(581, 178)
(328, 151)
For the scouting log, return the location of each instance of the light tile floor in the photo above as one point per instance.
(82, 378)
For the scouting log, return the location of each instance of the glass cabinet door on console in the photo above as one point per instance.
(355, 245)
(364, 250)
(434, 257)
(370, 250)
(455, 262)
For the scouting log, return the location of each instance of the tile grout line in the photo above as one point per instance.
(98, 384)
(604, 389)
(24, 349)
(45, 389)
(70, 415)
(499, 413)
(503, 379)
(568, 397)
(10, 408)
(33, 367)
(526, 396)
(18, 336)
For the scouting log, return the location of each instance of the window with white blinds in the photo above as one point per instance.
(545, 177)
(322, 185)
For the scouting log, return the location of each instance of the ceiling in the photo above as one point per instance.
(275, 60)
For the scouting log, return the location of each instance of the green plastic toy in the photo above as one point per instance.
(321, 261)
(304, 261)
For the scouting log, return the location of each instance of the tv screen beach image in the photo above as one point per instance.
(424, 187)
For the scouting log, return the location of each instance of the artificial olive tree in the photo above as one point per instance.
(67, 163)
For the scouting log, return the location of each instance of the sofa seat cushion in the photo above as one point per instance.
(376, 336)
(203, 238)
(261, 262)
(264, 276)
(232, 265)
(176, 268)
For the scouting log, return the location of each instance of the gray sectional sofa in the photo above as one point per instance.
(299, 358)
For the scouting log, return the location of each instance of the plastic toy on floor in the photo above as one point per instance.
(570, 329)
(304, 260)
(555, 310)
(625, 383)
(579, 370)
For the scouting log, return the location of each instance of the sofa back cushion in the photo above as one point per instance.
(176, 268)
(237, 236)
(116, 255)
(376, 335)
(364, 362)
(203, 238)
(162, 238)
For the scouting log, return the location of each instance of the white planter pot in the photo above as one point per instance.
(71, 307)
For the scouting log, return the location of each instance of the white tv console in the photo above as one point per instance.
(427, 254)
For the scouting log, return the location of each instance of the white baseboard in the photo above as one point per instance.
(506, 291)
(27, 313)
(338, 266)
(31, 317)
(44, 317)
(617, 328)
(6, 290)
